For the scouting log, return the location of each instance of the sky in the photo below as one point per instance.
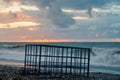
(60, 20)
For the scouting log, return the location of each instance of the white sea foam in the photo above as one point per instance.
(106, 57)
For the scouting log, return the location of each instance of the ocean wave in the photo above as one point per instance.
(106, 57)
(11, 60)
(13, 46)
(111, 51)
(17, 54)
(99, 56)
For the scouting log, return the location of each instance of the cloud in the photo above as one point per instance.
(92, 28)
(10, 0)
(64, 19)
(14, 17)
(85, 4)
(115, 25)
(16, 7)
(81, 18)
(18, 24)
(45, 2)
(51, 10)
(58, 17)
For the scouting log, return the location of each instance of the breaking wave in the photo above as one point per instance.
(13, 46)
(105, 56)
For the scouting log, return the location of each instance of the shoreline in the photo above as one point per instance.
(10, 63)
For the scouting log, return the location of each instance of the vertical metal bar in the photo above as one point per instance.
(33, 63)
(84, 61)
(88, 63)
(62, 60)
(71, 61)
(80, 61)
(75, 53)
(47, 58)
(40, 59)
(44, 48)
(57, 59)
(77, 61)
(50, 59)
(59, 64)
(25, 60)
(66, 60)
(36, 61)
(54, 60)
(28, 59)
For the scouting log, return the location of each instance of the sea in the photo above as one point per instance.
(104, 56)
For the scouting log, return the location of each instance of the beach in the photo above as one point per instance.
(14, 71)
(12, 63)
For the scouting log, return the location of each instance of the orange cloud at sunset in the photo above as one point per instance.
(12, 0)
(12, 17)
(15, 6)
(117, 40)
(18, 24)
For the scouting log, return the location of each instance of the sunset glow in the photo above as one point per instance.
(44, 40)
(18, 24)
(61, 40)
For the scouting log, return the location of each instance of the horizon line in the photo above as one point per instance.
(55, 40)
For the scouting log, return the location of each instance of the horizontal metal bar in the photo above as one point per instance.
(43, 45)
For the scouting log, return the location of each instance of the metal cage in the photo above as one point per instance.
(46, 60)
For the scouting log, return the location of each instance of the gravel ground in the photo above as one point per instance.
(15, 73)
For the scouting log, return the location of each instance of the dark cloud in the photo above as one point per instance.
(58, 17)
(62, 19)
(101, 3)
(84, 4)
(55, 13)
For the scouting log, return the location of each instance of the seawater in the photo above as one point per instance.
(105, 56)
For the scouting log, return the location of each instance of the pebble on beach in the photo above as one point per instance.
(16, 73)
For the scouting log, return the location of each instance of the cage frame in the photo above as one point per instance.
(43, 60)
